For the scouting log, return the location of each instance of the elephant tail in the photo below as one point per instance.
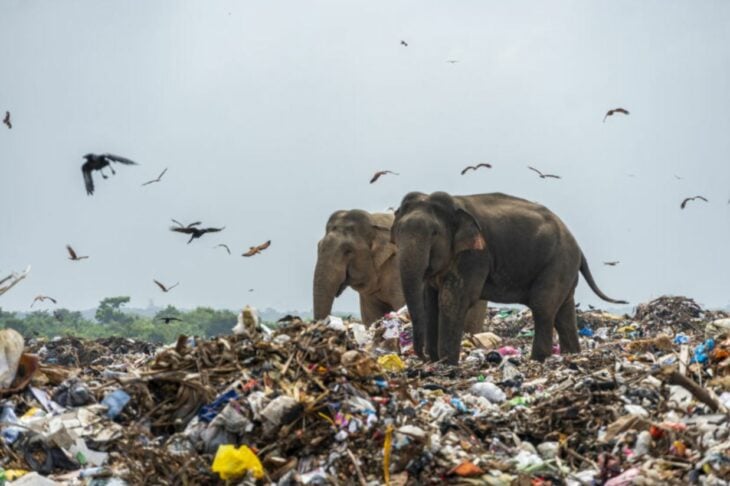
(592, 283)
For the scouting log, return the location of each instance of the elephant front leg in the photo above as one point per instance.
(431, 303)
(370, 310)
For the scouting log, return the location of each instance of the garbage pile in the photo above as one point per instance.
(335, 402)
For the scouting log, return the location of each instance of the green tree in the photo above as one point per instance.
(110, 311)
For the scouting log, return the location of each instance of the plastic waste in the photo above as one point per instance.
(11, 349)
(231, 463)
(643, 443)
(487, 340)
(391, 363)
(334, 322)
(7, 416)
(208, 412)
(624, 479)
(115, 403)
(548, 450)
(279, 409)
(585, 331)
(681, 339)
(702, 351)
(441, 411)
(509, 351)
(490, 391)
(360, 333)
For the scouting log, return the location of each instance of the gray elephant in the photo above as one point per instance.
(356, 251)
(455, 250)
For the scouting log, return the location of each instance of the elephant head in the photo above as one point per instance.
(355, 245)
(429, 231)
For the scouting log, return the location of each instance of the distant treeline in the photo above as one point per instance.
(111, 320)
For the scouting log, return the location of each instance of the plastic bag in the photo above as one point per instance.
(232, 463)
(391, 362)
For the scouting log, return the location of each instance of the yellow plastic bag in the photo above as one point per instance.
(232, 463)
(391, 362)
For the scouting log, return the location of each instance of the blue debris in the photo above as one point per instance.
(208, 412)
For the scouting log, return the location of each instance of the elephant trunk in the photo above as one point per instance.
(413, 265)
(328, 284)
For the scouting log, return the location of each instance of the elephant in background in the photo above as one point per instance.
(356, 251)
(455, 250)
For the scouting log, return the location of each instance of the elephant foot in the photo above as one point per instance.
(539, 356)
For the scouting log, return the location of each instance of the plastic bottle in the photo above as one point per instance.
(7, 416)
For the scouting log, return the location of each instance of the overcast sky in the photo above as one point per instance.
(270, 115)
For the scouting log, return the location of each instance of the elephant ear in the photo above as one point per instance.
(468, 235)
(382, 248)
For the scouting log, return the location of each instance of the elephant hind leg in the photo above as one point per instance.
(567, 328)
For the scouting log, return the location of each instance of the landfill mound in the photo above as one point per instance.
(336, 403)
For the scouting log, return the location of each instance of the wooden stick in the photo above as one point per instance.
(357, 468)
(674, 377)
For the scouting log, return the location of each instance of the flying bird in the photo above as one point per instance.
(404, 43)
(686, 200)
(257, 249)
(611, 264)
(452, 61)
(677, 177)
(163, 288)
(377, 175)
(475, 167)
(168, 319)
(223, 246)
(43, 298)
(99, 162)
(614, 111)
(192, 230)
(155, 180)
(7, 121)
(543, 176)
(72, 254)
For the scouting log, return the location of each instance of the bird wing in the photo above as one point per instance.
(212, 230)
(467, 169)
(173, 286)
(226, 247)
(700, 197)
(71, 252)
(553, 176)
(621, 110)
(182, 230)
(161, 174)
(484, 164)
(52, 300)
(177, 222)
(684, 203)
(164, 289)
(251, 252)
(121, 160)
(264, 246)
(534, 169)
(197, 223)
(88, 180)
(376, 176)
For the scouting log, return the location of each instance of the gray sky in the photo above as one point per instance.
(271, 115)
